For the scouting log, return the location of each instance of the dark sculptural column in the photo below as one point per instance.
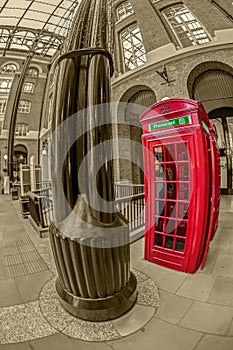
(89, 239)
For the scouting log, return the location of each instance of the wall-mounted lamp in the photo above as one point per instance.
(44, 148)
(5, 157)
(164, 75)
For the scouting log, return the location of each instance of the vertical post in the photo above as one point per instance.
(14, 111)
(90, 241)
(32, 173)
(226, 134)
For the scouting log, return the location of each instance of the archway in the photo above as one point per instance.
(144, 97)
(223, 120)
(20, 156)
(212, 84)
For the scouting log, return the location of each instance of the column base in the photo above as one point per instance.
(101, 309)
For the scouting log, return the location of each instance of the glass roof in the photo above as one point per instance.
(41, 25)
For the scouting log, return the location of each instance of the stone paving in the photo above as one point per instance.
(174, 310)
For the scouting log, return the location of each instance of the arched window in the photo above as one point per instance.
(133, 48)
(186, 27)
(24, 106)
(32, 72)
(123, 10)
(9, 68)
(5, 85)
(21, 129)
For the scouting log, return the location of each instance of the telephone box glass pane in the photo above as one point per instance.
(159, 208)
(182, 228)
(159, 154)
(171, 209)
(159, 172)
(171, 190)
(169, 241)
(158, 240)
(183, 172)
(180, 245)
(170, 227)
(182, 152)
(183, 191)
(159, 224)
(170, 153)
(159, 190)
(183, 210)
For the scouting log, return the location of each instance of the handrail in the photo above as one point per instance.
(127, 198)
(132, 208)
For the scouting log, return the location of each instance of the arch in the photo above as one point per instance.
(48, 45)
(37, 67)
(16, 64)
(212, 84)
(133, 90)
(203, 67)
(223, 120)
(24, 39)
(20, 156)
(19, 147)
(219, 112)
(136, 100)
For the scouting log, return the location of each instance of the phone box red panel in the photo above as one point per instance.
(178, 154)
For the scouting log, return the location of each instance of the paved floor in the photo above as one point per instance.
(195, 311)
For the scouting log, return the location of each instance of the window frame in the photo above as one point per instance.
(27, 91)
(26, 108)
(2, 106)
(7, 89)
(31, 70)
(192, 38)
(127, 12)
(136, 58)
(21, 129)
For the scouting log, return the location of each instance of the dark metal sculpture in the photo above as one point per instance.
(90, 241)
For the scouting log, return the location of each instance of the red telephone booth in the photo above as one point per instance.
(178, 156)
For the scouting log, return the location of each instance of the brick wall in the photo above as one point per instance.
(179, 68)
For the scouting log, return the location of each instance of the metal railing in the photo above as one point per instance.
(40, 207)
(126, 189)
(45, 192)
(132, 208)
(44, 184)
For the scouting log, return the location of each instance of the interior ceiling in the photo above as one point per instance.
(38, 25)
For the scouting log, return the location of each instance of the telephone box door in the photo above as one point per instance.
(170, 190)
